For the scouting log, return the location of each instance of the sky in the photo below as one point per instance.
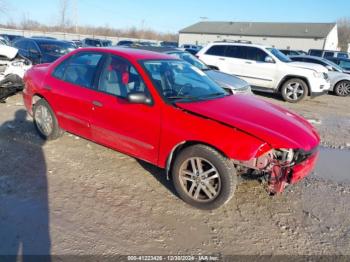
(170, 16)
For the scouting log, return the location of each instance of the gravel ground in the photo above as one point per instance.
(73, 197)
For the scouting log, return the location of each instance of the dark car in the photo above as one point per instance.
(292, 52)
(344, 63)
(169, 44)
(125, 43)
(328, 53)
(44, 37)
(40, 50)
(92, 42)
(106, 43)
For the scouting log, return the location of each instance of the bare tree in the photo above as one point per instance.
(63, 13)
(344, 33)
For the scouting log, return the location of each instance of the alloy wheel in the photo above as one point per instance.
(294, 91)
(343, 88)
(43, 120)
(200, 179)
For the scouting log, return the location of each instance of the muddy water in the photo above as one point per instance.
(334, 164)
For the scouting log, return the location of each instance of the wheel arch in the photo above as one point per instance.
(181, 146)
(288, 77)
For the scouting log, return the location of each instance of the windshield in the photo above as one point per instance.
(190, 59)
(180, 81)
(279, 55)
(56, 49)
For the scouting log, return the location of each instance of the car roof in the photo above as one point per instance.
(309, 56)
(46, 40)
(130, 53)
(158, 49)
(240, 44)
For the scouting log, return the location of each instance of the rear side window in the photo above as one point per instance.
(80, 69)
(217, 50)
(236, 52)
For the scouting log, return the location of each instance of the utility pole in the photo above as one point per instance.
(76, 19)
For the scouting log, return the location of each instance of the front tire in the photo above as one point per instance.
(342, 88)
(294, 90)
(203, 177)
(45, 121)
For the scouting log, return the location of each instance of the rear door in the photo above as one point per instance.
(255, 70)
(71, 87)
(215, 56)
(130, 128)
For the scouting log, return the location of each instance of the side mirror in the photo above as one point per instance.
(139, 98)
(269, 59)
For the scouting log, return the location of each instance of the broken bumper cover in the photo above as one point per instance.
(282, 176)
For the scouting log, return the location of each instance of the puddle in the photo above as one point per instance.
(334, 164)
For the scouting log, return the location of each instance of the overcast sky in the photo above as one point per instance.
(173, 15)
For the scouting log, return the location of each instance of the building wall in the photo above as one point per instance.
(278, 42)
(332, 40)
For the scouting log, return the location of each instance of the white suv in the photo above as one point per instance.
(267, 69)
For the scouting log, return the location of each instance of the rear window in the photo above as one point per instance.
(217, 50)
(328, 54)
(343, 55)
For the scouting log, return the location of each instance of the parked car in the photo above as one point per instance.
(11, 38)
(125, 43)
(289, 52)
(44, 37)
(328, 53)
(40, 50)
(267, 69)
(106, 43)
(92, 42)
(192, 47)
(12, 69)
(344, 63)
(165, 111)
(169, 44)
(78, 43)
(4, 41)
(231, 83)
(192, 51)
(340, 81)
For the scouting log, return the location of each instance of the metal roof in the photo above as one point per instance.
(300, 30)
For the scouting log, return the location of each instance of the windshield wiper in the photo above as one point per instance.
(181, 97)
(214, 95)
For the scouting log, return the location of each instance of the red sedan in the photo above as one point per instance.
(162, 110)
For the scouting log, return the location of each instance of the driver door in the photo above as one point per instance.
(133, 129)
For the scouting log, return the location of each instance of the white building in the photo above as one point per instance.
(298, 36)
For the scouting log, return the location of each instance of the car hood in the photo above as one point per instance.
(8, 52)
(270, 123)
(227, 81)
(311, 66)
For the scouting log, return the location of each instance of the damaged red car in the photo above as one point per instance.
(167, 112)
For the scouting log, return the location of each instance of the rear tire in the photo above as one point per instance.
(342, 88)
(294, 90)
(45, 121)
(203, 177)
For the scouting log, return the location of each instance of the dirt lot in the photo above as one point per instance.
(71, 196)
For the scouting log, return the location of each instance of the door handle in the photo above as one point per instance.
(222, 59)
(97, 103)
(248, 62)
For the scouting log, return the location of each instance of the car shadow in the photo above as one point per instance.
(160, 175)
(24, 209)
(269, 95)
